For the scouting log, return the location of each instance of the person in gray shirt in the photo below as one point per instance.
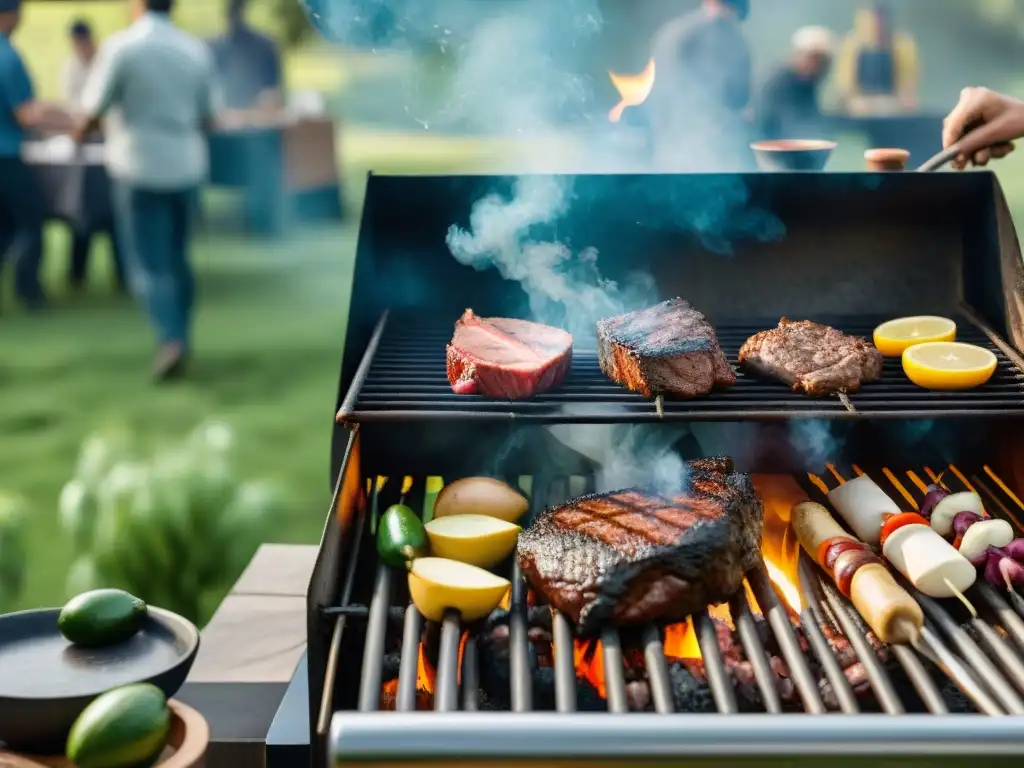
(152, 87)
(700, 103)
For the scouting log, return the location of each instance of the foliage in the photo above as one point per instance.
(291, 23)
(168, 527)
(13, 561)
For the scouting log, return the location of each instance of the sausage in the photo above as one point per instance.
(893, 615)
(864, 506)
(928, 561)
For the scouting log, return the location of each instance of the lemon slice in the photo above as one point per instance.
(948, 365)
(475, 539)
(436, 584)
(893, 337)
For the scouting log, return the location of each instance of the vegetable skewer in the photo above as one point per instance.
(859, 574)
(907, 541)
(987, 543)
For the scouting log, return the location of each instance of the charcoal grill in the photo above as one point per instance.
(857, 248)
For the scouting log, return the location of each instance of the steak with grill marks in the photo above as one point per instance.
(812, 358)
(629, 556)
(506, 358)
(667, 348)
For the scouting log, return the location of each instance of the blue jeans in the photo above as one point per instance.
(21, 226)
(154, 227)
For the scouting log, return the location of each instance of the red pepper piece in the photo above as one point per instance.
(894, 522)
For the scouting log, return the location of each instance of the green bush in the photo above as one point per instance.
(172, 527)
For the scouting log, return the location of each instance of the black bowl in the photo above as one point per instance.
(46, 682)
(792, 154)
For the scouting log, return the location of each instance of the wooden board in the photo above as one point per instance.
(186, 745)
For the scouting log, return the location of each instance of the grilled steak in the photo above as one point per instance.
(812, 358)
(506, 358)
(629, 557)
(667, 348)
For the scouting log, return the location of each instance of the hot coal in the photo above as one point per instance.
(631, 557)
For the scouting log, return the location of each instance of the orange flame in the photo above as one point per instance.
(633, 90)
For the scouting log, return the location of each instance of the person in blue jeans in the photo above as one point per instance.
(152, 88)
(21, 207)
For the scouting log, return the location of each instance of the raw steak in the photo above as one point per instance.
(629, 557)
(812, 358)
(506, 358)
(667, 348)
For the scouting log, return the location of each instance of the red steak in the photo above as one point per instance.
(506, 358)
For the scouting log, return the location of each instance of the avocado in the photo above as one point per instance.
(123, 728)
(401, 536)
(101, 617)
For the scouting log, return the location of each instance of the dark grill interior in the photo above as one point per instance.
(975, 664)
(405, 380)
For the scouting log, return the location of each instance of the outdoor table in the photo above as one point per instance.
(286, 167)
(73, 182)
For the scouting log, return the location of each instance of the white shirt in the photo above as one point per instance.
(154, 83)
(73, 80)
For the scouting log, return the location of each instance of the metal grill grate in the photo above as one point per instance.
(402, 378)
(985, 664)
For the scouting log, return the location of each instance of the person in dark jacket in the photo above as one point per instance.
(700, 102)
(789, 106)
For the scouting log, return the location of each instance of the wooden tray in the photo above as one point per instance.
(186, 745)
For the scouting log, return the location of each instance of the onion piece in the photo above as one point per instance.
(978, 538)
(963, 521)
(933, 496)
(948, 507)
(1012, 573)
(1015, 549)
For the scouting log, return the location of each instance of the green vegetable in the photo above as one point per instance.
(123, 728)
(101, 617)
(400, 536)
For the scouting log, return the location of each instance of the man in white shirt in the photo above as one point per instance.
(78, 65)
(152, 87)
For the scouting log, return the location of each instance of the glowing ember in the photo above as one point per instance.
(633, 90)
(426, 680)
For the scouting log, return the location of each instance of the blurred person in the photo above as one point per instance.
(789, 105)
(73, 80)
(700, 103)
(153, 89)
(877, 69)
(1001, 115)
(21, 205)
(76, 68)
(248, 64)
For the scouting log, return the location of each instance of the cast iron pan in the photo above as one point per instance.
(45, 681)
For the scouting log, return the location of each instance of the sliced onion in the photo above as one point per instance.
(1012, 572)
(982, 537)
(1015, 549)
(963, 521)
(950, 506)
(934, 495)
(992, 573)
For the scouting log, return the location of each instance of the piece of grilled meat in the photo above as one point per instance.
(667, 348)
(812, 358)
(630, 557)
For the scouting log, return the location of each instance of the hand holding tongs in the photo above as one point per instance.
(981, 133)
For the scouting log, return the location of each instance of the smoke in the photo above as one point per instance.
(564, 288)
(818, 442)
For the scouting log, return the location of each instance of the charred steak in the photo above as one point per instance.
(506, 358)
(812, 358)
(667, 348)
(630, 557)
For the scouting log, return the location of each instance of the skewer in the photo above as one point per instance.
(659, 406)
(845, 400)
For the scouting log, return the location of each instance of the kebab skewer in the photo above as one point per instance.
(987, 543)
(859, 574)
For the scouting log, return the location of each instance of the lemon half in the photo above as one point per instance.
(475, 539)
(436, 584)
(894, 337)
(948, 365)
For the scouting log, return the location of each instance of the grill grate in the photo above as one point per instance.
(402, 378)
(986, 668)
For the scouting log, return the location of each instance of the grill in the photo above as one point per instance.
(731, 684)
(406, 381)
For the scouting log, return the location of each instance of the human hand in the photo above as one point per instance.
(985, 124)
